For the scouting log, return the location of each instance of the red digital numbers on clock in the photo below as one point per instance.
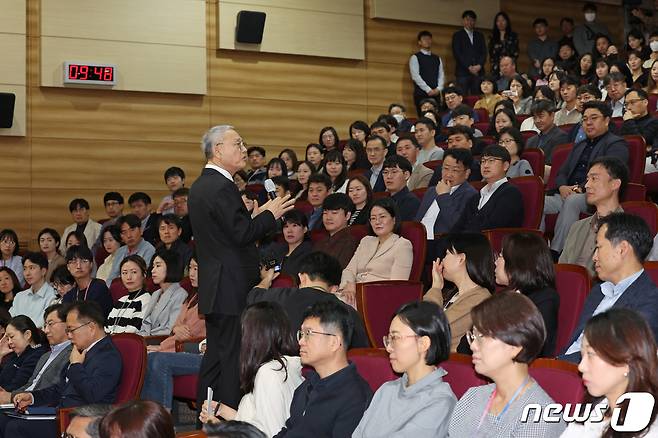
(89, 73)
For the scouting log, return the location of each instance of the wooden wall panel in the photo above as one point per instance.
(17, 210)
(445, 12)
(12, 18)
(15, 154)
(12, 67)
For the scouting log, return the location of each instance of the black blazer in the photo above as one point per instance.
(151, 233)
(504, 209)
(225, 236)
(547, 301)
(467, 54)
(641, 296)
(17, 369)
(290, 265)
(407, 203)
(379, 184)
(96, 380)
(451, 206)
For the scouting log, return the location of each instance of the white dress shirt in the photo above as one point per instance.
(488, 190)
(221, 170)
(432, 214)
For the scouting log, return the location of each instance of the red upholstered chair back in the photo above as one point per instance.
(359, 232)
(185, 386)
(378, 301)
(117, 289)
(559, 379)
(254, 188)
(488, 140)
(527, 135)
(433, 164)
(653, 100)
(304, 206)
(284, 280)
(532, 191)
(380, 195)
(461, 374)
(373, 365)
(618, 122)
(101, 255)
(497, 235)
(535, 157)
(560, 155)
(133, 357)
(470, 101)
(652, 271)
(355, 172)
(573, 283)
(483, 114)
(482, 126)
(635, 192)
(477, 185)
(420, 193)
(567, 127)
(416, 234)
(637, 149)
(150, 285)
(186, 284)
(646, 210)
(341, 144)
(650, 181)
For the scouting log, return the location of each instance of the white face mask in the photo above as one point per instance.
(654, 46)
(398, 117)
(590, 16)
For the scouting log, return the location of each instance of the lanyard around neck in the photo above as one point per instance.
(507, 405)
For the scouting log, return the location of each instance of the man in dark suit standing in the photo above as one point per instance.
(623, 242)
(225, 236)
(470, 53)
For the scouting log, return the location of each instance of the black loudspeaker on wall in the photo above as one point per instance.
(249, 28)
(7, 101)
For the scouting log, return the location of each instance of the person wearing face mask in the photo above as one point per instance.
(584, 35)
(653, 45)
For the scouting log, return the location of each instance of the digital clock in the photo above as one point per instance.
(89, 73)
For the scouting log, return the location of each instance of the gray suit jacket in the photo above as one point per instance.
(52, 375)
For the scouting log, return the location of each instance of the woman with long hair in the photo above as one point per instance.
(490, 95)
(328, 138)
(355, 155)
(520, 94)
(360, 192)
(270, 371)
(290, 158)
(585, 70)
(315, 155)
(9, 287)
(468, 265)
(9, 257)
(137, 419)
(525, 265)
(637, 72)
(336, 169)
(547, 67)
(290, 253)
(503, 41)
(512, 140)
(618, 356)
(652, 80)
(49, 241)
(304, 170)
(111, 240)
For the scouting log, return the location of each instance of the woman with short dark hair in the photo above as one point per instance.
(417, 342)
(328, 138)
(111, 241)
(270, 371)
(138, 419)
(290, 253)
(618, 356)
(9, 287)
(128, 312)
(525, 265)
(20, 350)
(9, 257)
(49, 242)
(508, 333)
(360, 192)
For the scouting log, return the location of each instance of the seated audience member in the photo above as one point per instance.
(619, 357)
(270, 371)
(568, 199)
(460, 137)
(20, 350)
(128, 313)
(257, 171)
(549, 136)
(111, 240)
(85, 420)
(569, 112)
(607, 179)
(137, 418)
(180, 210)
(376, 152)
(623, 242)
(9, 287)
(319, 276)
(355, 155)
(615, 84)
(289, 254)
(166, 302)
(79, 261)
(503, 117)
(382, 255)
(304, 170)
(519, 94)
(469, 265)
(360, 192)
(425, 132)
(585, 93)
(315, 155)
(328, 139)
(500, 203)
(507, 68)
(75, 238)
(525, 265)
(453, 97)
(249, 199)
(637, 120)
(276, 167)
(174, 178)
(407, 146)
(508, 333)
(34, 300)
(337, 211)
(399, 112)
(462, 115)
(382, 129)
(131, 235)
(396, 171)
(49, 242)
(333, 398)
(9, 253)
(429, 104)
(79, 209)
(140, 205)
(443, 204)
(359, 130)
(63, 282)
(319, 187)
(418, 340)
(113, 203)
(490, 95)
(282, 185)
(170, 230)
(512, 140)
(336, 169)
(93, 375)
(541, 93)
(49, 366)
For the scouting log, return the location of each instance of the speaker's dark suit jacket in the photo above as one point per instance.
(451, 206)
(503, 209)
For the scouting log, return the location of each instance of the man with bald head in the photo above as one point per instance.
(226, 234)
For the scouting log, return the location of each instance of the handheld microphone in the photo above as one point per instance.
(270, 188)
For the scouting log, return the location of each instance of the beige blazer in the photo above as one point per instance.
(374, 262)
(420, 177)
(459, 312)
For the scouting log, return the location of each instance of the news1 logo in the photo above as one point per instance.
(638, 413)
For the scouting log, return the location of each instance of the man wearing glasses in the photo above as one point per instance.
(396, 171)
(92, 377)
(333, 398)
(637, 120)
(79, 262)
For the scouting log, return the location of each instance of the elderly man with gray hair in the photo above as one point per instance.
(85, 421)
(226, 235)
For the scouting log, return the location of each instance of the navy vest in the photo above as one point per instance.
(428, 66)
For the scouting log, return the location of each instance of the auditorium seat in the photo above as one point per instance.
(559, 157)
(527, 135)
(522, 117)
(415, 233)
(100, 255)
(380, 195)
(488, 140)
(373, 365)
(433, 164)
(471, 100)
(117, 289)
(420, 193)
(496, 236)
(637, 149)
(284, 280)
(567, 127)
(483, 115)
(356, 172)
(254, 188)
(535, 157)
(618, 122)
(651, 269)
(186, 284)
(304, 206)
(532, 191)
(561, 380)
(635, 192)
(358, 232)
(573, 284)
(482, 126)
(646, 210)
(650, 181)
(461, 374)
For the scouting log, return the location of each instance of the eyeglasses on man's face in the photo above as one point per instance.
(71, 330)
(307, 333)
